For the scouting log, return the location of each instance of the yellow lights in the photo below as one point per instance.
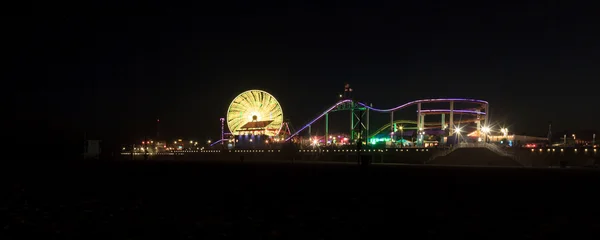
(485, 129)
(532, 149)
(266, 141)
(562, 150)
(254, 106)
(504, 131)
(457, 130)
(179, 140)
(254, 116)
(191, 142)
(250, 140)
(575, 149)
(174, 142)
(210, 141)
(586, 150)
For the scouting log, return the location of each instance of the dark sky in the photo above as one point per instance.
(112, 69)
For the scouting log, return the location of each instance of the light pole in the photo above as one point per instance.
(222, 129)
(402, 136)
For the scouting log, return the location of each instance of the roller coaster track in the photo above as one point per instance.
(430, 124)
(408, 104)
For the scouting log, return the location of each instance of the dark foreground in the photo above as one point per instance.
(300, 201)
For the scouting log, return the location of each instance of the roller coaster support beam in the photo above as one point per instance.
(418, 116)
(351, 121)
(367, 128)
(443, 128)
(392, 126)
(478, 124)
(356, 113)
(443, 121)
(326, 128)
(487, 114)
(451, 123)
(358, 125)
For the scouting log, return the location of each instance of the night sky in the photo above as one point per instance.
(112, 69)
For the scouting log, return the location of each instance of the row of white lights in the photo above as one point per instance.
(139, 153)
(174, 152)
(562, 150)
(301, 150)
(255, 150)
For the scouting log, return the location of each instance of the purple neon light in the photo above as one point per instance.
(396, 108)
(319, 117)
(448, 110)
(216, 142)
(423, 101)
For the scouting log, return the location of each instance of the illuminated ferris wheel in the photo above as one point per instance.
(254, 112)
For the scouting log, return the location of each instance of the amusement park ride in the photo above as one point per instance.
(255, 116)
